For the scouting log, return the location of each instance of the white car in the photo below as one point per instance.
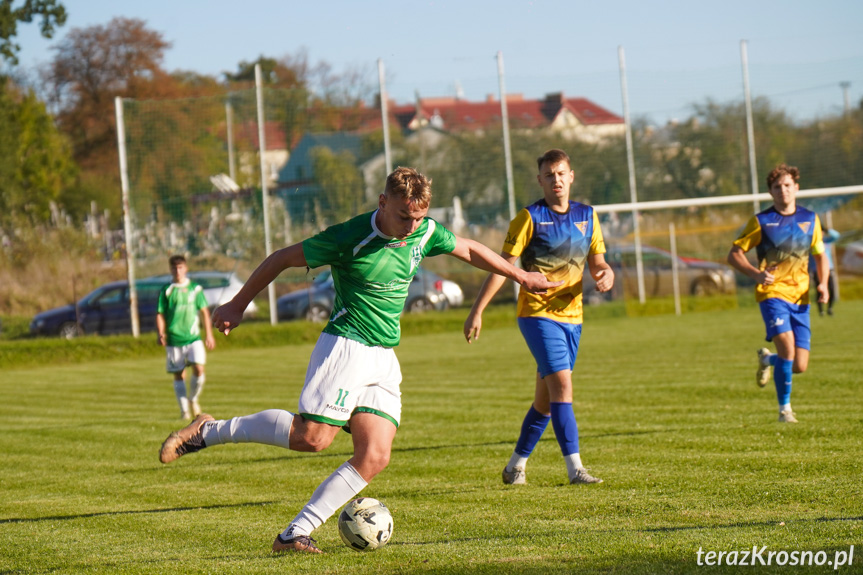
(219, 287)
(852, 260)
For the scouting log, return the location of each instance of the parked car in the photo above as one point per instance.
(106, 309)
(219, 287)
(103, 311)
(852, 259)
(696, 277)
(428, 291)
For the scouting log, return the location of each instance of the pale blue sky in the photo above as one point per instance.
(678, 52)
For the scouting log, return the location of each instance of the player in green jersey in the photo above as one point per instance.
(181, 311)
(353, 377)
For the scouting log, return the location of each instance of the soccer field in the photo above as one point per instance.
(669, 416)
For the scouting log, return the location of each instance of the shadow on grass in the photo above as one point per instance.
(132, 512)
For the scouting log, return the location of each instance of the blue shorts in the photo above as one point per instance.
(554, 344)
(781, 316)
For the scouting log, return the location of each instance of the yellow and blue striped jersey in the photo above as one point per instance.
(556, 245)
(783, 244)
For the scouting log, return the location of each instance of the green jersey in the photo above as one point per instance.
(372, 273)
(180, 304)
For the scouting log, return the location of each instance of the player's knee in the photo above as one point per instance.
(373, 462)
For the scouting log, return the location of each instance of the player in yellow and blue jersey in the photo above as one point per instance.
(557, 237)
(784, 235)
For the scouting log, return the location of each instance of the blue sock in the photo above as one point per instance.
(531, 430)
(565, 428)
(782, 379)
(772, 359)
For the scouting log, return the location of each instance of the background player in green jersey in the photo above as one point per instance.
(353, 377)
(181, 311)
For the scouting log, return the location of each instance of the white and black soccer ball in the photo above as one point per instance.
(365, 524)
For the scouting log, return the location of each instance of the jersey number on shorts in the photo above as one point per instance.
(343, 395)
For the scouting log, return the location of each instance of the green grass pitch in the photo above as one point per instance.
(668, 412)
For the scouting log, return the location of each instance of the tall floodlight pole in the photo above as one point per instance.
(630, 159)
(229, 118)
(385, 117)
(127, 217)
(265, 196)
(507, 150)
(750, 129)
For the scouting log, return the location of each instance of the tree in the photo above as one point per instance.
(92, 67)
(52, 12)
(342, 190)
(36, 165)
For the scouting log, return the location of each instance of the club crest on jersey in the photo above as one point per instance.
(582, 226)
(400, 244)
(416, 257)
(804, 226)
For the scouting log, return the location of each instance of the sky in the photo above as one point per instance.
(676, 53)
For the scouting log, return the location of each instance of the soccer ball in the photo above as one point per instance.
(365, 524)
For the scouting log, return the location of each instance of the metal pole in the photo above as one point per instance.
(265, 197)
(385, 117)
(750, 130)
(127, 217)
(845, 97)
(633, 193)
(507, 150)
(229, 114)
(675, 275)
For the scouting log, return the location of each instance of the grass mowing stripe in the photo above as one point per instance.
(668, 411)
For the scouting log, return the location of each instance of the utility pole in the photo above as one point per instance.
(847, 100)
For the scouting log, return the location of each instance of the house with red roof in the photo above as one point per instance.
(571, 118)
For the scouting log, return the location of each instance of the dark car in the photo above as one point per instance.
(428, 291)
(696, 277)
(103, 311)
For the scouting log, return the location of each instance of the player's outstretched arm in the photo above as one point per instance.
(479, 256)
(228, 316)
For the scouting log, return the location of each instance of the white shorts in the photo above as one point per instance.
(346, 377)
(182, 355)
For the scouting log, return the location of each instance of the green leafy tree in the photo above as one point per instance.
(53, 15)
(342, 190)
(36, 165)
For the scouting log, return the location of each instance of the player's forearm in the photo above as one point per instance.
(490, 287)
(823, 265)
(479, 256)
(269, 270)
(737, 259)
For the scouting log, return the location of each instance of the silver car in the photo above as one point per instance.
(428, 291)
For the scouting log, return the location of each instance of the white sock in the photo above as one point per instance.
(336, 490)
(516, 461)
(786, 407)
(573, 463)
(180, 392)
(270, 427)
(196, 385)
